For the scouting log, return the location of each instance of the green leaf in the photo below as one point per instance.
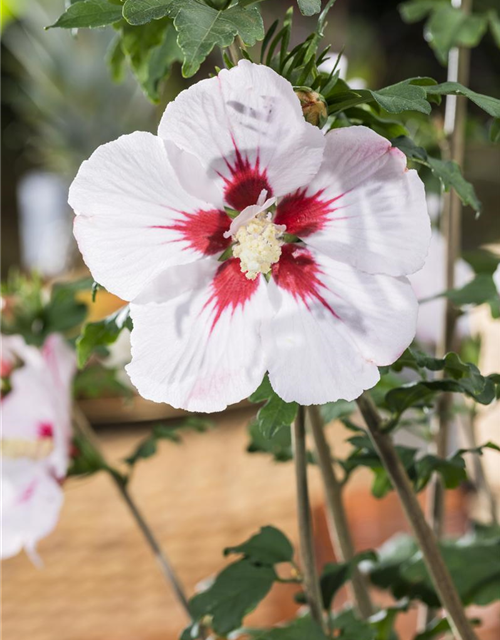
(237, 590)
(279, 445)
(495, 130)
(97, 381)
(151, 50)
(402, 96)
(138, 12)
(337, 410)
(451, 176)
(309, 7)
(479, 583)
(494, 21)
(268, 547)
(350, 627)
(64, 312)
(449, 27)
(480, 290)
(171, 432)
(436, 627)
(487, 103)
(416, 10)
(448, 172)
(300, 629)
(335, 575)
(101, 334)
(276, 413)
(115, 58)
(201, 27)
(90, 14)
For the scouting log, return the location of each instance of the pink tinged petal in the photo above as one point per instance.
(247, 129)
(364, 207)
(333, 326)
(199, 348)
(133, 214)
(31, 504)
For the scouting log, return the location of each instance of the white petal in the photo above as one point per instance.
(199, 349)
(247, 128)
(135, 218)
(364, 207)
(334, 325)
(31, 503)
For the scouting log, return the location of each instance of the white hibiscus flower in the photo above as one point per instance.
(314, 292)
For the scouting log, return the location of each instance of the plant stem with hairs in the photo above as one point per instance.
(310, 576)
(83, 427)
(424, 535)
(338, 525)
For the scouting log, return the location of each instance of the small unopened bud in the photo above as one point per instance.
(313, 106)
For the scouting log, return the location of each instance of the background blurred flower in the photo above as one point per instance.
(429, 282)
(36, 439)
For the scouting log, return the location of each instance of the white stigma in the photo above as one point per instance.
(258, 239)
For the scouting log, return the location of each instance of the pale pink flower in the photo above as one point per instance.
(36, 439)
(319, 315)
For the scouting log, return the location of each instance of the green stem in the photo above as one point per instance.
(338, 525)
(423, 533)
(310, 576)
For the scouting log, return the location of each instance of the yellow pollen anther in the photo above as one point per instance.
(258, 245)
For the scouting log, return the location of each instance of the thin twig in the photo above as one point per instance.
(83, 425)
(338, 525)
(311, 582)
(423, 533)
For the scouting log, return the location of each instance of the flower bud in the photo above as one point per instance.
(313, 106)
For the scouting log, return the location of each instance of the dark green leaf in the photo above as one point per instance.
(436, 627)
(138, 12)
(479, 584)
(337, 410)
(89, 13)
(201, 27)
(451, 176)
(101, 334)
(402, 97)
(97, 381)
(300, 629)
(448, 172)
(416, 10)
(487, 103)
(276, 413)
(478, 291)
(335, 575)
(171, 432)
(449, 27)
(237, 590)
(350, 627)
(116, 60)
(279, 445)
(270, 546)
